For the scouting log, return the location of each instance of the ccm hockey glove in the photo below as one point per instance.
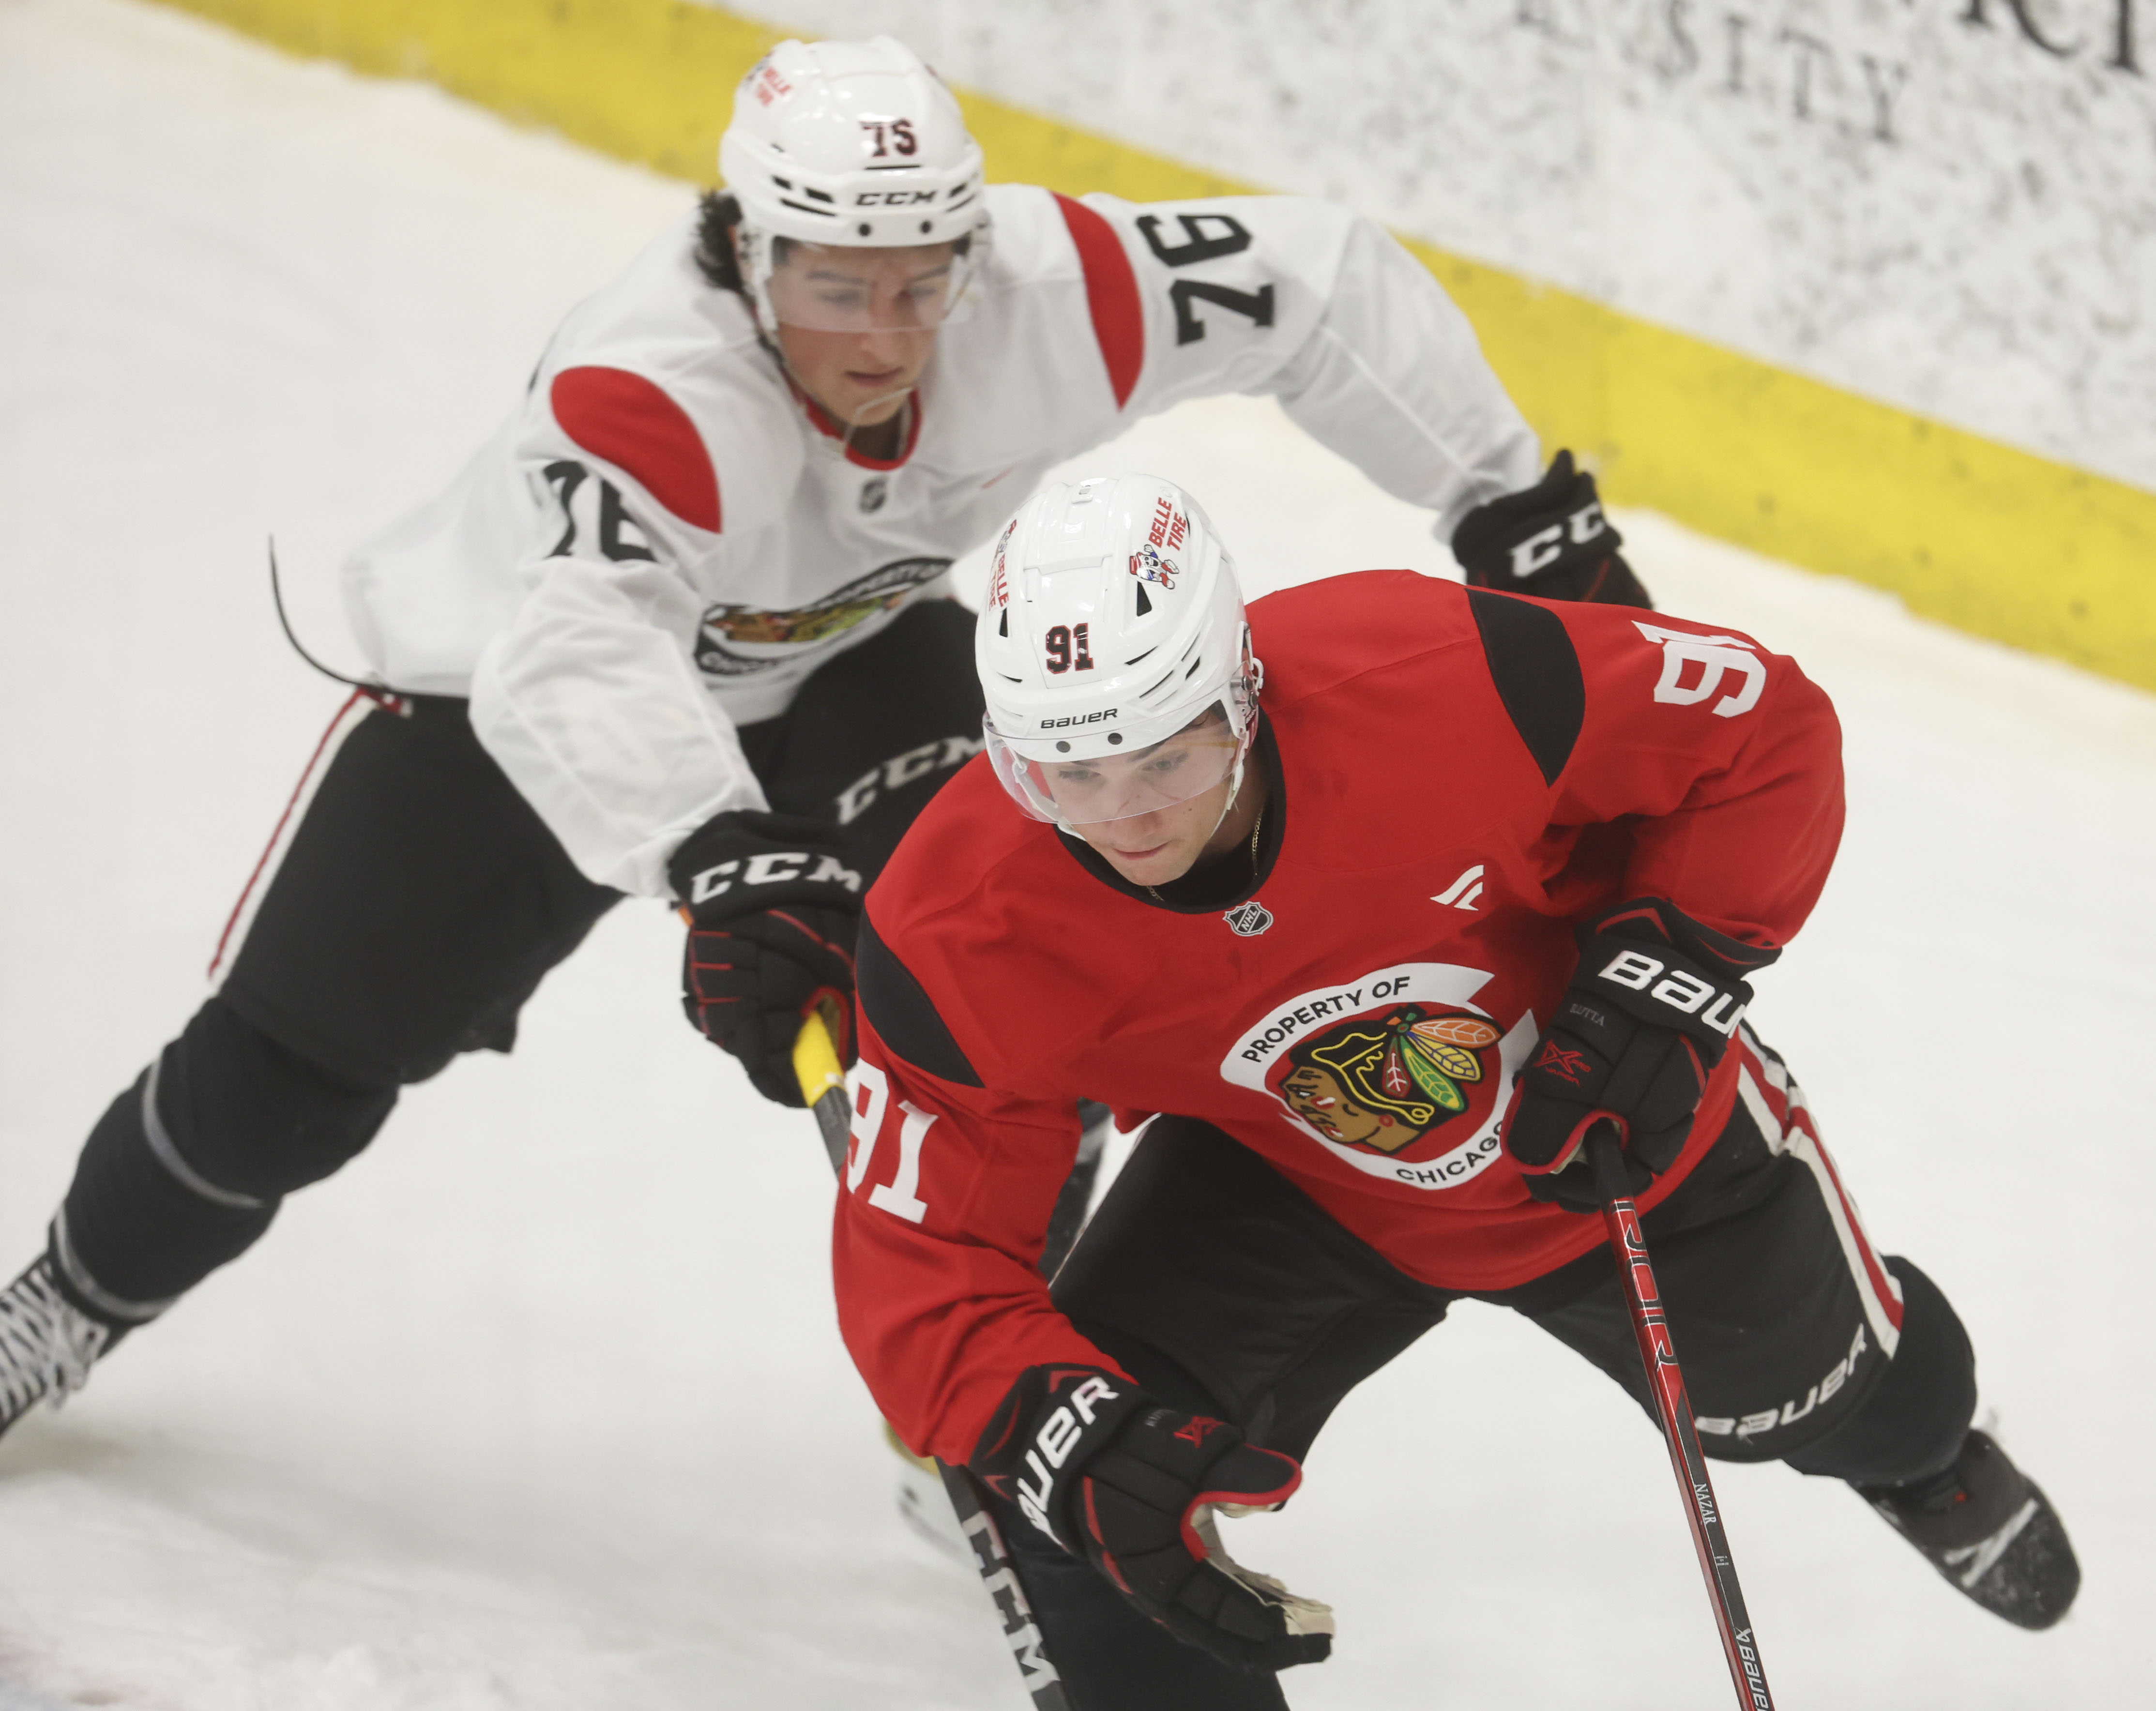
(1651, 1008)
(1128, 1486)
(772, 907)
(1550, 540)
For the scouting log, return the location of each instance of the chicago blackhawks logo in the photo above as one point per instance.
(1385, 1084)
(1398, 1073)
(737, 641)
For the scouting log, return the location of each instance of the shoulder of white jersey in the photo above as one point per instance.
(1152, 279)
(1057, 329)
(660, 377)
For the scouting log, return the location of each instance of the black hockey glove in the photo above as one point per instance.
(1652, 1006)
(1128, 1486)
(773, 905)
(1550, 540)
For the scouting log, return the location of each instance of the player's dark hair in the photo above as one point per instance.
(718, 211)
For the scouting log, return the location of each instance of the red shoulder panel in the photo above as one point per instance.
(631, 423)
(1111, 293)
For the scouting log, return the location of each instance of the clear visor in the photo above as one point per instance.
(843, 287)
(1073, 793)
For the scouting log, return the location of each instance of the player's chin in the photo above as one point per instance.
(1161, 864)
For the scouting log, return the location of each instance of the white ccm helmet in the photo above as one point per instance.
(851, 144)
(1112, 624)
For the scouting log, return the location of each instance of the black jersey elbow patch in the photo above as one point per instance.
(1536, 671)
(903, 1013)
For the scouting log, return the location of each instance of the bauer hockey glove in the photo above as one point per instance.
(771, 906)
(1129, 1487)
(1550, 540)
(1652, 1006)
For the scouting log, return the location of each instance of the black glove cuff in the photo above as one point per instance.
(1655, 921)
(1050, 1424)
(746, 860)
(1654, 984)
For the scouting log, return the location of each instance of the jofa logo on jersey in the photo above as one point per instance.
(1248, 919)
(1398, 1073)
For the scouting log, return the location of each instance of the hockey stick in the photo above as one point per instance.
(823, 1087)
(823, 1081)
(1620, 1218)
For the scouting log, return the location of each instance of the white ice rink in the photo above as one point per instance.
(540, 1404)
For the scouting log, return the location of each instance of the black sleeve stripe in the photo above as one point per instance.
(892, 999)
(1537, 671)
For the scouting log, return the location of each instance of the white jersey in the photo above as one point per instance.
(666, 538)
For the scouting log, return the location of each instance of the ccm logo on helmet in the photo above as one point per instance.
(894, 198)
(1680, 989)
(1078, 719)
(771, 868)
(1052, 1446)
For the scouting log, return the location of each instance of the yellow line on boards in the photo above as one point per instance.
(1995, 540)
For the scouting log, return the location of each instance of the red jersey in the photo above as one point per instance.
(1454, 778)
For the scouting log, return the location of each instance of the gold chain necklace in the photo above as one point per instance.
(1257, 826)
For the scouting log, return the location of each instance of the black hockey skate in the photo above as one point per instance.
(1984, 1525)
(47, 1343)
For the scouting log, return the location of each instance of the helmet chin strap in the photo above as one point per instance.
(1227, 807)
(853, 424)
(1235, 778)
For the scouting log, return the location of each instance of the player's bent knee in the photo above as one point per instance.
(1914, 1421)
(254, 1118)
(184, 1171)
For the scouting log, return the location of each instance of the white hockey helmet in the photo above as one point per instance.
(852, 145)
(1114, 655)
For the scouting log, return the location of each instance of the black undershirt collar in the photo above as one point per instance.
(1231, 877)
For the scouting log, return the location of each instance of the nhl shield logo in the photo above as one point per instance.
(1248, 919)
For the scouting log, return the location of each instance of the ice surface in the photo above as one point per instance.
(540, 1404)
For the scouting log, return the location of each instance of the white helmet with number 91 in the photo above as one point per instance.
(1114, 655)
(852, 145)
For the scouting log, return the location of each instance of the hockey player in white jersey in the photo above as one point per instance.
(680, 629)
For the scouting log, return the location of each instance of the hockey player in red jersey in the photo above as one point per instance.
(1377, 898)
(679, 630)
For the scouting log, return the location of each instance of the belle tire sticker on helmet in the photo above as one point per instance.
(1397, 1072)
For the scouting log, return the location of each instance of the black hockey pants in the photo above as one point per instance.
(419, 905)
(1224, 1290)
